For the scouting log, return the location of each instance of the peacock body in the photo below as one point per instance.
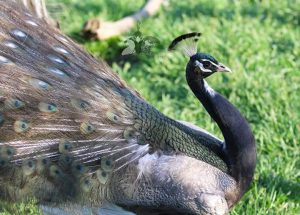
(71, 131)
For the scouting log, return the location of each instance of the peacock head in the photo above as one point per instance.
(205, 65)
(200, 64)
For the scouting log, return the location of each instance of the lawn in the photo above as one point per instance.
(258, 40)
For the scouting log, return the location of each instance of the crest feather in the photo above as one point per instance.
(187, 43)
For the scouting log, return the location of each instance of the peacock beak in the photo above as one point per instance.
(222, 68)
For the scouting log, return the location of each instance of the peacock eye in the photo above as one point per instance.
(206, 64)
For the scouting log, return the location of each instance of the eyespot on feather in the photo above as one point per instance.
(3, 163)
(87, 128)
(29, 167)
(80, 104)
(47, 107)
(102, 176)
(42, 164)
(65, 146)
(65, 160)
(79, 169)
(10, 152)
(87, 183)
(21, 126)
(113, 117)
(7, 152)
(13, 103)
(39, 84)
(55, 171)
(129, 133)
(107, 164)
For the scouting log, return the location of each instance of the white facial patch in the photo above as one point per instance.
(200, 65)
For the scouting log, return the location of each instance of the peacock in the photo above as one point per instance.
(74, 136)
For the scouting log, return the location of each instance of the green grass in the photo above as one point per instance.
(258, 40)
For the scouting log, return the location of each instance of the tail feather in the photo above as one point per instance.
(63, 113)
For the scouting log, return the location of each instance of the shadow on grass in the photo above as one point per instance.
(271, 182)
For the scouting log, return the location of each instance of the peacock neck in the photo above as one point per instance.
(239, 140)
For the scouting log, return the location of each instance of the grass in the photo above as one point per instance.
(258, 40)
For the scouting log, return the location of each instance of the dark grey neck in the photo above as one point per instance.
(239, 140)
